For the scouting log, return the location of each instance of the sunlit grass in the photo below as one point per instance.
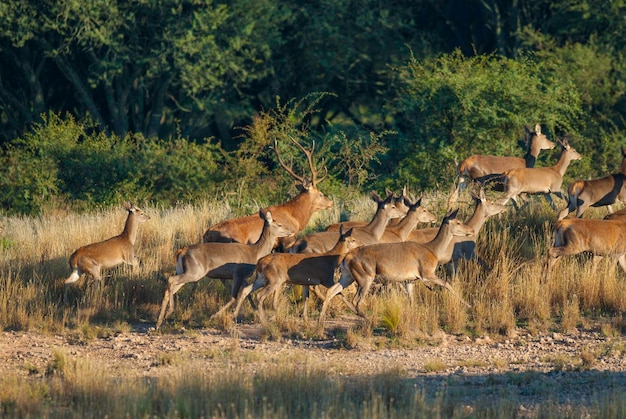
(511, 292)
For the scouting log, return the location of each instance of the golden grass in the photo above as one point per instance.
(512, 292)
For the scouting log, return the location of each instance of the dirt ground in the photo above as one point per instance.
(577, 368)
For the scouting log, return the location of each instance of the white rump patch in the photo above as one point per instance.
(73, 277)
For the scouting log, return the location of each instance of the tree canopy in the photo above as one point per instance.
(427, 80)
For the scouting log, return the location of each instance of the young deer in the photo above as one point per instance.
(388, 208)
(277, 269)
(234, 261)
(107, 254)
(482, 168)
(596, 192)
(542, 180)
(397, 262)
(463, 247)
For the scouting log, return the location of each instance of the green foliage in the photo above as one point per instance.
(453, 106)
(347, 154)
(64, 159)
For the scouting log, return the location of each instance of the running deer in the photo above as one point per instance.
(397, 262)
(541, 180)
(234, 261)
(483, 168)
(277, 269)
(294, 214)
(600, 237)
(463, 247)
(601, 192)
(321, 242)
(107, 254)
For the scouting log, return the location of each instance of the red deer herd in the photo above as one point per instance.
(389, 248)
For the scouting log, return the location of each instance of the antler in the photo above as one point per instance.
(308, 154)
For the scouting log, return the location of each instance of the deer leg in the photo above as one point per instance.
(332, 291)
(550, 201)
(409, 287)
(246, 291)
(239, 278)
(261, 296)
(435, 279)
(174, 284)
(305, 301)
(363, 290)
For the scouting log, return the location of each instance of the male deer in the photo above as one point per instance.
(109, 253)
(277, 269)
(540, 180)
(596, 192)
(397, 262)
(482, 168)
(234, 261)
(294, 214)
(600, 237)
(321, 242)
(463, 247)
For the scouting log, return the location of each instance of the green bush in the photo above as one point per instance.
(62, 159)
(452, 107)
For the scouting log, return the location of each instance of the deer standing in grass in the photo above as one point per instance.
(483, 168)
(234, 261)
(294, 214)
(540, 180)
(397, 262)
(107, 254)
(463, 247)
(277, 269)
(601, 192)
(600, 237)
(387, 208)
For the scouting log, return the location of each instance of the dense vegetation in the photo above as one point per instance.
(174, 100)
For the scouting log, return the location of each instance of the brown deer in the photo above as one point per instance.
(109, 253)
(355, 223)
(540, 180)
(601, 192)
(600, 237)
(463, 247)
(277, 269)
(397, 262)
(234, 261)
(321, 242)
(483, 168)
(294, 214)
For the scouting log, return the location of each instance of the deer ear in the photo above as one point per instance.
(374, 195)
(451, 214)
(538, 129)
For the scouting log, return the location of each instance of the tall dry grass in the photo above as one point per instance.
(511, 292)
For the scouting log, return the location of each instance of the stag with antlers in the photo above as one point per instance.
(294, 214)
